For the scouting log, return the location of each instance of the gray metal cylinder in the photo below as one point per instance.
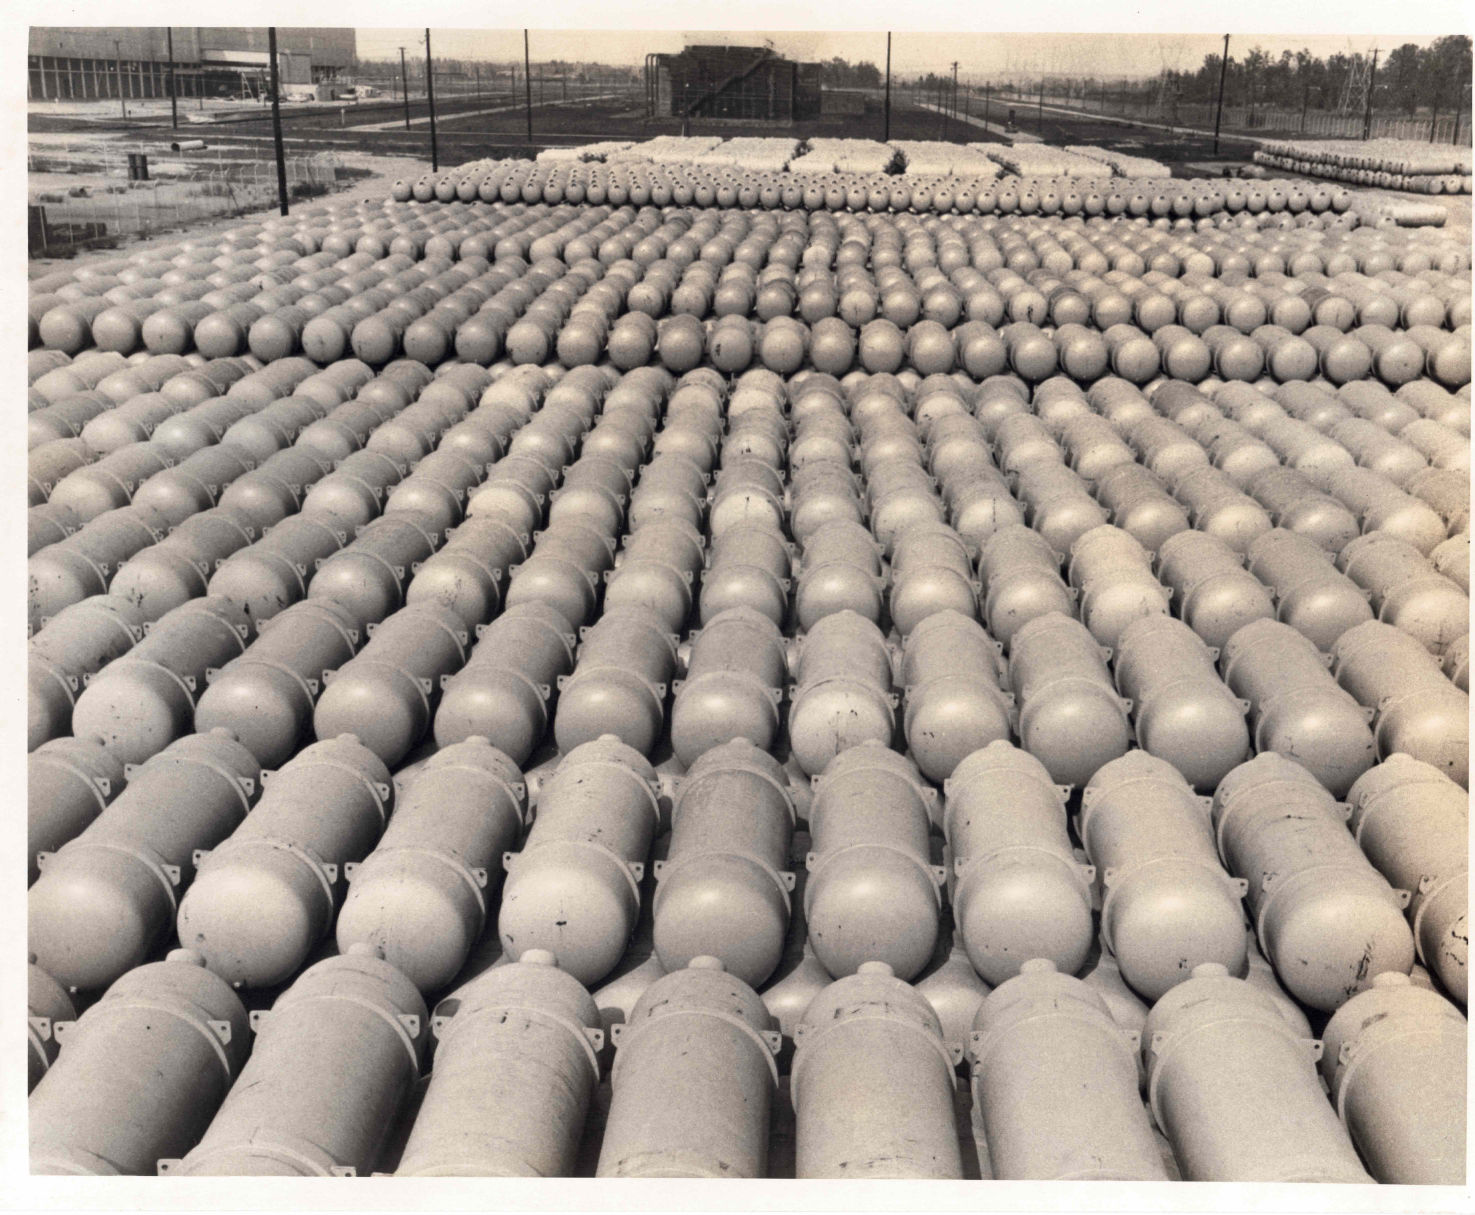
(1395, 1062)
(1235, 1089)
(872, 1083)
(951, 670)
(520, 1040)
(1018, 891)
(333, 1061)
(142, 1071)
(1055, 1083)
(693, 1080)
(1327, 920)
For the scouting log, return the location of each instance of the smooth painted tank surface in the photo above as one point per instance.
(693, 1079)
(1055, 1082)
(1166, 902)
(1235, 1089)
(332, 1061)
(776, 604)
(872, 1083)
(141, 1073)
(1327, 920)
(516, 1066)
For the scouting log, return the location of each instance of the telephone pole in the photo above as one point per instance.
(1372, 85)
(886, 135)
(430, 98)
(173, 95)
(955, 88)
(404, 75)
(276, 119)
(1219, 108)
(527, 80)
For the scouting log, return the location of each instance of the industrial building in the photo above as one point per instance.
(87, 62)
(732, 82)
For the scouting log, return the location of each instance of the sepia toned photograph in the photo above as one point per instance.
(615, 608)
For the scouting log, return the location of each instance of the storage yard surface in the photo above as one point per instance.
(734, 656)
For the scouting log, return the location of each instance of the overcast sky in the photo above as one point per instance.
(979, 54)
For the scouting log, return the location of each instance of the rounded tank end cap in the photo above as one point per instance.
(187, 957)
(707, 962)
(1211, 970)
(875, 968)
(1038, 966)
(363, 949)
(539, 957)
(1392, 978)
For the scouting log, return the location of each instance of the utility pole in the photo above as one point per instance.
(430, 97)
(886, 129)
(118, 67)
(173, 96)
(1372, 85)
(955, 88)
(404, 75)
(986, 87)
(1219, 108)
(1040, 114)
(276, 119)
(527, 80)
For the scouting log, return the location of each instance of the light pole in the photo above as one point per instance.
(404, 74)
(886, 129)
(527, 81)
(430, 98)
(173, 98)
(1219, 108)
(276, 119)
(1372, 84)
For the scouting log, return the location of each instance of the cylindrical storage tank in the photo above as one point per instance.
(1413, 823)
(724, 888)
(356, 488)
(564, 570)
(422, 897)
(931, 571)
(747, 566)
(1296, 707)
(46, 1006)
(83, 563)
(1311, 594)
(503, 692)
(169, 574)
(1234, 1088)
(735, 674)
(872, 1083)
(264, 897)
(69, 782)
(523, 1036)
(140, 703)
(619, 682)
(840, 571)
(1325, 918)
(1018, 891)
(951, 672)
(1181, 710)
(1113, 574)
(74, 644)
(333, 1061)
(1381, 506)
(1140, 505)
(265, 577)
(693, 1079)
(142, 1072)
(1021, 580)
(1394, 1058)
(1417, 710)
(104, 899)
(1055, 1084)
(275, 489)
(1215, 594)
(655, 570)
(385, 695)
(1166, 902)
(1407, 592)
(369, 577)
(1069, 715)
(872, 893)
(1295, 504)
(574, 889)
(266, 696)
(467, 574)
(842, 694)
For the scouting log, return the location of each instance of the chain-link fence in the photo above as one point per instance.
(84, 194)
